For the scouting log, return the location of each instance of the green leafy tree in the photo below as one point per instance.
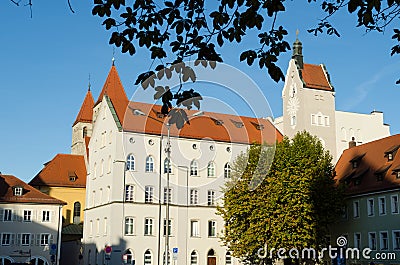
(291, 208)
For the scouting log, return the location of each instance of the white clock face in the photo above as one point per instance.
(293, 106)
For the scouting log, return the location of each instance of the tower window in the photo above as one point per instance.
(84, 132)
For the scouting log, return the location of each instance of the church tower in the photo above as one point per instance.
(82, 127)
(308, 101)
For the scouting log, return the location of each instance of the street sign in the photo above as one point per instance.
(53, 249)
(175, 253)
(108, 249)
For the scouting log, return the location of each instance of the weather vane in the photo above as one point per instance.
(113, 58)
(297, 33)
(89, 83)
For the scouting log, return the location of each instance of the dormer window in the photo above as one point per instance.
(390, 157)
(72, 178)
(238, 124)
(355, 164)
(357, 181)
(379, 177)
(391, 152)
(398, 174)
(17, 191)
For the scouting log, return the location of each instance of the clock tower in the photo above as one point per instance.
(308, 101)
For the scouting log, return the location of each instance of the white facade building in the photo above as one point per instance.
(30, 223)
(309, 104)
(126, 185)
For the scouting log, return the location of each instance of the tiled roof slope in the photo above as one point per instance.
(115, 91)
(215, 126)
(58, 171)
(373, 164)
(314, 77)
(86, 112)
(29, 195)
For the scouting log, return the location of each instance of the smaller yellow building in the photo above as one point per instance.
(64, 178)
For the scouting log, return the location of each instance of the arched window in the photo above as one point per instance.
(102, 167)
(293, 121)
(211, 253)
(227, 171)
(38, 261)
(128, 257)
(166, 166)
(130, 162)
(343, 134)
(228, 258)
(84, 132)
(5, 261)
(211, 169)
(149, 164)
(147, 257)
(109, 164)
(193, 258)
(194, 168)
(77, 212)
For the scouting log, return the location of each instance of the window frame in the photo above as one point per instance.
(370, 207)
(27, 213)
(356, 209)
(129, 193)
(195, 229)
(148, 194)
(372, 244)
(194, 168)
(148, 226)
(396, 243)
(211, 169)
(194, 197)
(382, 208)
(227, 171)
(130, 163)
(381, 240)
(396, 207)
(9, 215)
(150, 165)
(212, 228)
(46, 216)
(129, 223)
(211, 197)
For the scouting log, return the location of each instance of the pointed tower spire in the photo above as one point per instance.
(86, 112)
(115, 91)
(298, 51)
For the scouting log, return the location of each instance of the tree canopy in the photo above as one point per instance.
(293, 205)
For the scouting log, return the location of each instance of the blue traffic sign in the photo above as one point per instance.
(175, 250)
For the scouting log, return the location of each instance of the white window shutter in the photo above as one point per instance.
(39, 214)
(1, 215)
(19, 236)
(37, 239)
(32, 239)
(33, 216)
(53, 216)
(12, 241)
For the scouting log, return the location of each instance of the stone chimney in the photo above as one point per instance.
(352, 143)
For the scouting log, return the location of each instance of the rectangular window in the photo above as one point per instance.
(210, 198)
(212, 227)
(167, 193)
(372, 240)
(326, 121)
(129, 225)
(357, 240)
(370, 205)
(44, 239)
(45, 216)
(382, 206)
(91, 228)
(356, 209)
(194, 197)
(194, 228)
(27, 215)
(148, 226)
(148, 194)
(129, 193)
(169, 227)
(313, 120)
(7, 217)
(5, 239)
(395, 204)
(25, 239)
(384, 241)
(396, 240)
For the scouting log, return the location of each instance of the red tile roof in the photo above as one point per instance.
(199, 128)
(237, 129)
(58, 171)
(29, 195)
(86, 112)
(115, 91)
(372, 161)
(314, 77)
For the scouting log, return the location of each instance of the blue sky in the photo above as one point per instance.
(46, 60)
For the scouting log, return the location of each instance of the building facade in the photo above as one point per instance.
(127, 186)
(309, 104)
(30, 224)
(371, 219)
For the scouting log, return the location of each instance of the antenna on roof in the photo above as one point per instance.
(297, 33)
(113, 58)
(89, 85)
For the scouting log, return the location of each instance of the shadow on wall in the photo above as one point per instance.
(28, 234)
(91, 255)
